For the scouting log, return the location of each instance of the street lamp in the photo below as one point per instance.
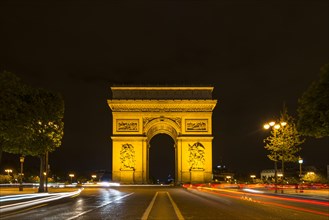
(8, 171)
(275, 126)
(253, 178)
(21, 160)
(71, 175)
(93, 177)
(300, 161)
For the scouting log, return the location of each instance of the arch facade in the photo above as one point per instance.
(183, 113)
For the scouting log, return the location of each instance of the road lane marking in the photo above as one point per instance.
(149, 208)
(178, 213)
(97, 207)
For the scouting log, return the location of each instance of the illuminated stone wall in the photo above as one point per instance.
(187, 121)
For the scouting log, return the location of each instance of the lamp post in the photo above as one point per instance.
(228, 179)
(253, 178)
(93, 177)
(275, 126)
(300, 161)
(21, 160)
(71, 175)
(8, 171)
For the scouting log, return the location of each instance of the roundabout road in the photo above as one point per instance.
(160, 202)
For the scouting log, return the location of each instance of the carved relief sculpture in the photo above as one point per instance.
(196, 124)
(197, 156)
(127, 157)
(147, 120)
(177, 120)
(127, 125)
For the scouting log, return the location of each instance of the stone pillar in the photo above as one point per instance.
(197, 176)
(195, 167)
(145, 162)
(127, 176)
(128, 163)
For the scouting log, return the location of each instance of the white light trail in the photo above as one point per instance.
(49, 198)
(22, 196)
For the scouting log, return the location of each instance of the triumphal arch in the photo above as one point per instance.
(183, 113)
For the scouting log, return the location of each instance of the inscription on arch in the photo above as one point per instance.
(127, 125)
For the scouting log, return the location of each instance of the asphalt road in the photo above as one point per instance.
(136, 202)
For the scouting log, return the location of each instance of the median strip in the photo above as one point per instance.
(150, 207)
(178, 213)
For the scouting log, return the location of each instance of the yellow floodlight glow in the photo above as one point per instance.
(252, 176)
(272, 123)
(267, 126)
(8, 171)
(277, 126)
(283, 123)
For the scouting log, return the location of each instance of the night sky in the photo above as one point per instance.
(258, 55)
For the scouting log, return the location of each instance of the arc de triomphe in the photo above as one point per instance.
(183, 113)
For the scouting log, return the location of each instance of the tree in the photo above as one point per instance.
(312, 177)
(14, 132)
(313, 107)
(31, 120)
(47, 112)
(284, 140)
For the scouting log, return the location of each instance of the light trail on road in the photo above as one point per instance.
(175, 203)
(49, 198)
(307, 201)
(243, 195)
(22, 196)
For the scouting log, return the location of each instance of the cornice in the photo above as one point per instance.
(163, 88)
(162, 105)
(128, 138)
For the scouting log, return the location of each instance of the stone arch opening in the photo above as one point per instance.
(162, 161)
(162, 125)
